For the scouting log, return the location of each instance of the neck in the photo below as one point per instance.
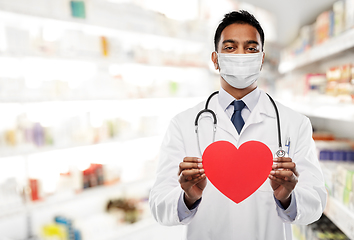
(235, 92)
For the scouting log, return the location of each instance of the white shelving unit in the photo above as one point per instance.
(322, 106)
(68, 196)
(148, 107)
(336, 113)
(165, 54)
(322, 51)
(341, 216)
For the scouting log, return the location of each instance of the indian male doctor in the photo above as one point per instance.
(294, 191)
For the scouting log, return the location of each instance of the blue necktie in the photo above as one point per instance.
(236, 118)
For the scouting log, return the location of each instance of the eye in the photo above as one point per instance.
(252, 49)
(228, 48)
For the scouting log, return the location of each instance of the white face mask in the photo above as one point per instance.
(240, 70)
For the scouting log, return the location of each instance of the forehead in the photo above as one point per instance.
(240, 32)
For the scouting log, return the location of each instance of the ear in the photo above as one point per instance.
(214, 58)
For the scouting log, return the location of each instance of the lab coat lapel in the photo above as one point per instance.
(263, 109)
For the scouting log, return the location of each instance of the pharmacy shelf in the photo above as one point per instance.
(99, 60)
(144, 229)
(324, 50)
(79, 24)
(124, 232)
(341, 216)
(61, 198)
(321, 106)
(146, 106)
(31, 149)
(129, 102)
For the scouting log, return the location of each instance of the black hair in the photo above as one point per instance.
(242, 17)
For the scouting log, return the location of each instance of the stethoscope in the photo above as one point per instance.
(279, 153)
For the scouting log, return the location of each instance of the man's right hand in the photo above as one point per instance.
(192, 179)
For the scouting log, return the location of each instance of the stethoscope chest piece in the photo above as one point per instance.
(280, 153)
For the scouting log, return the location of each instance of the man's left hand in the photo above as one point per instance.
(283, 179)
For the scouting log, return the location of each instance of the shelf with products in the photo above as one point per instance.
(341, 216)
(78, 60)
(87, 94)
(47, 126)
(51, 37)
(331, 34)
(322, 229)
(319, 52)
(340, 208)
(62, 198)
(320, 106)
(146, 229)
(337, 163)
(105, 16)
(336, 157)
(110, 152)
(63, 173)
(126, 81)
(89, 212)
(335, 147)
(324, 90)
(317, 81)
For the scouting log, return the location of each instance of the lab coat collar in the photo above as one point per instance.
(263, 109)
(251, 99)
(265, 106)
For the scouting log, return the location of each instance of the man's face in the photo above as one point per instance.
(240, 39)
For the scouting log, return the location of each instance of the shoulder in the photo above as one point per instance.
(291, 115)
(289, 110)
(266, 105)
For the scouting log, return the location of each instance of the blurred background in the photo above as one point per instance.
(88, 87)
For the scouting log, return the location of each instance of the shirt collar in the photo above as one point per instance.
(251, 99)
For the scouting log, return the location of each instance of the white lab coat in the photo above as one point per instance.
(257, 217)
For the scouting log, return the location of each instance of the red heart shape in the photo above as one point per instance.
(237, 173)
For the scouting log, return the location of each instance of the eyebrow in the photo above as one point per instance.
(228, 41)
(233, 41)
(252, 42)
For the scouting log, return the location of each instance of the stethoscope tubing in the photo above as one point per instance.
(279, 153)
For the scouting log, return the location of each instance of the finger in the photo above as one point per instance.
(184, 165)
(289, 175)
(192, 159)
(277, 180)
(201, 178)
(291, 166)
(187, 165)
(190, 172)
(197, 175)
(187, 184)
(284, 165)
(282, 159)
(186, 179)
